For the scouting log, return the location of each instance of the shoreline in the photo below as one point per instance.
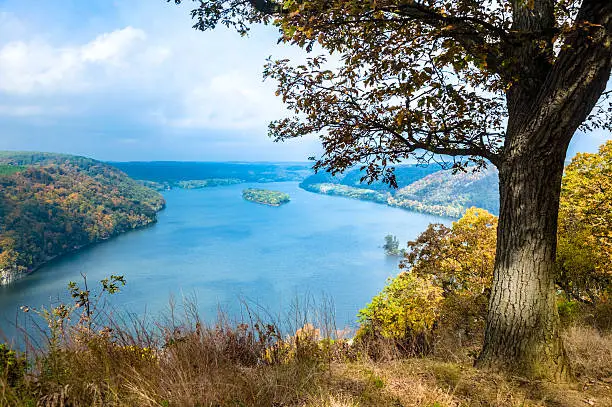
(265, 203)
(19, 275)
(322, 189)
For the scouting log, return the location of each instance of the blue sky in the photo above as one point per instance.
(130, 80)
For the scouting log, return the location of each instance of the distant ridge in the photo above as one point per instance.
(427, 189)
(452, 193)
(172, 172)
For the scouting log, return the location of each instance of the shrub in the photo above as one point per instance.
(445, 291)
(405, 311)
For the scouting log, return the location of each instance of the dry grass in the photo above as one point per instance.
(590, 352)
(255, 364)
(428, 383)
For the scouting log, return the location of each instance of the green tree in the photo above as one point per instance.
(500, 81)
(391, 246)
(405, 310)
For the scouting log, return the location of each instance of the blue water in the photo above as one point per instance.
(213, 245)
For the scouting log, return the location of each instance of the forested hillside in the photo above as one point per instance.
(51, 204)
(420, 188)
(451, 194)
(404, 175)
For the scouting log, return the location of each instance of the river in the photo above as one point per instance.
(211, 245)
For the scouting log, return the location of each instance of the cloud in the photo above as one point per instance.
(187, 80)
(39, 68)
(112, 47)
(227, 101)
(131, 79)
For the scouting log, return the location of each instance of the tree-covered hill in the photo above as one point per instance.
(404, 175)
(51, 204)
(420, 188)
(445, 192)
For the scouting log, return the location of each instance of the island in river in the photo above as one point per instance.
(420, 188)
(265, 197)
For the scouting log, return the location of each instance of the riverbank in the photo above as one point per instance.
(213, 243)
(56, 203)
(441, 193)
(9, 276)
(454, 211)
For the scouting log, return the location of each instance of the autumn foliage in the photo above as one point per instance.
(448, 270)
(55, 204)
(585, 227)
(445, 285)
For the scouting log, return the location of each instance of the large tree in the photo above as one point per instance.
(501, 82)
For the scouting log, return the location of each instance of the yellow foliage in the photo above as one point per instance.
(138, 352)
(584, 252)
(407, 305)
(459, 258)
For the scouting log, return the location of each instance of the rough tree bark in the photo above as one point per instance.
(522, 331)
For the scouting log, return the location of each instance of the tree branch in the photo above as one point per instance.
(575, 82)
(266, 6)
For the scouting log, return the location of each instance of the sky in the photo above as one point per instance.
(131, 80)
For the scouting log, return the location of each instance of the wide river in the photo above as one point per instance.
(212, 245)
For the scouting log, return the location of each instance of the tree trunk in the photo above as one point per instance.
(522, 331)
(545, 108)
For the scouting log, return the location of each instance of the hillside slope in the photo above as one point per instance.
(404, 175)
(162, 175)
(422, 189)
(451, 194)
(51, 204)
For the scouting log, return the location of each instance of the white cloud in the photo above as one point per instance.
(231, 100)
(26, 67)
(39, 68)
(186, 84)
(112, 47)
(134, 76)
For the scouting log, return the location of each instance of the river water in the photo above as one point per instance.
(212, 245)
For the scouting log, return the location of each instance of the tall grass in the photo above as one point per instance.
(179, 360)
(296, 359)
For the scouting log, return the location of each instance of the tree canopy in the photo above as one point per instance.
(460, 257)
(585, 226)
(57, 203)
(417, 78)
